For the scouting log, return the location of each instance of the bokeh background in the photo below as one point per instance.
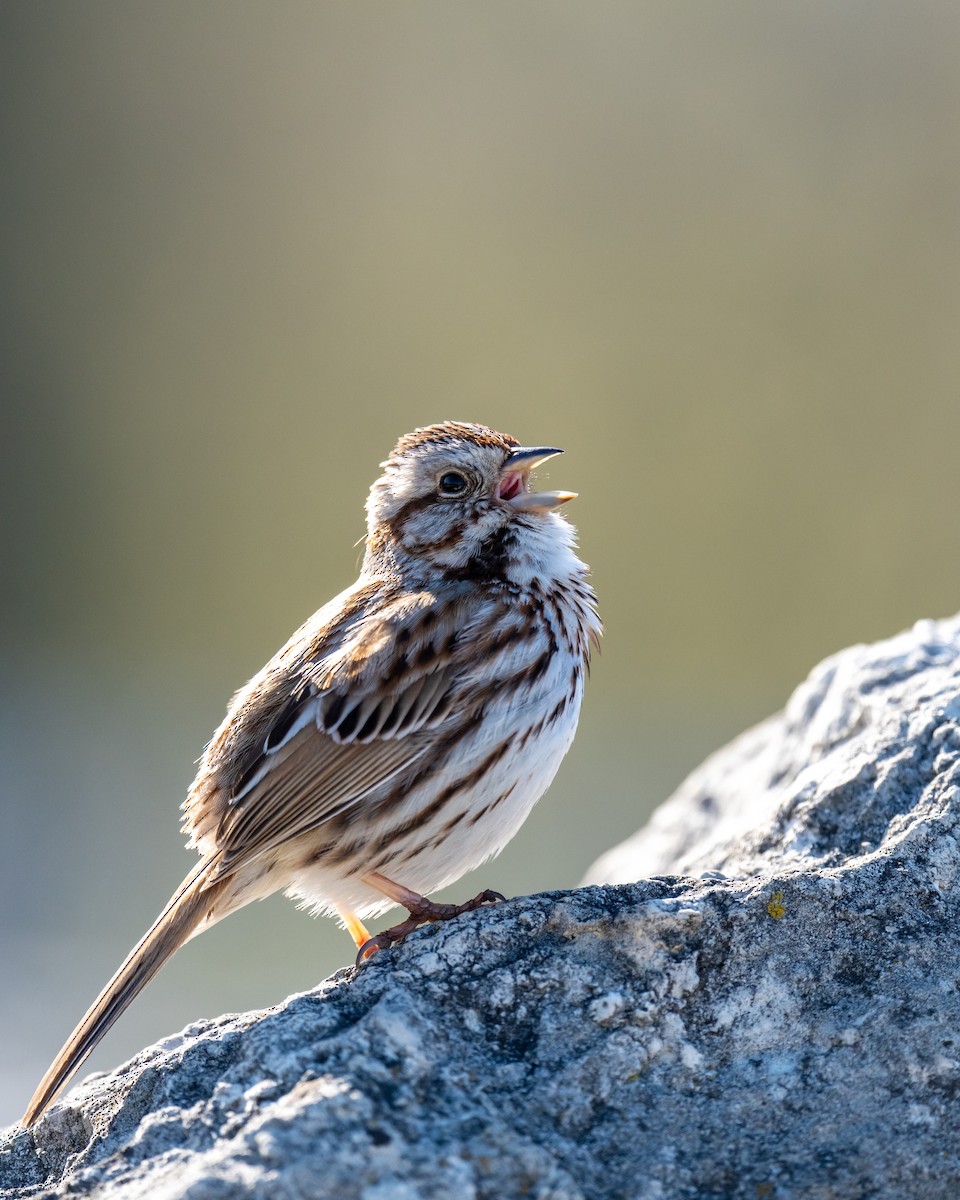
(710, 249)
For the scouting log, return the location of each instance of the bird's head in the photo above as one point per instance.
(455, 499)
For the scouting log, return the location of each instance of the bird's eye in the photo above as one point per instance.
(452, 484)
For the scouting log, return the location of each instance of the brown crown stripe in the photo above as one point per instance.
(480, 435)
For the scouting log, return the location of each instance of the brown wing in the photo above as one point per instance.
(340, 713)
(342, 751)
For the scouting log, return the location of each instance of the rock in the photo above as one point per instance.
(786, 1025)
(863, 754)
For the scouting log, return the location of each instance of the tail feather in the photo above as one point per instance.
(190, 904)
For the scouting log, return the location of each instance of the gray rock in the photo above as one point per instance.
(788, 1025)
(863, 752)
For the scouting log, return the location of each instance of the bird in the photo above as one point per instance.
(402, 735)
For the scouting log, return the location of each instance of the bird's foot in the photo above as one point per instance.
(422, 912)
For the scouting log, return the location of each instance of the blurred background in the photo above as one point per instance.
(711, 250)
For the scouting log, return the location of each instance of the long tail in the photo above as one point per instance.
(189, 905)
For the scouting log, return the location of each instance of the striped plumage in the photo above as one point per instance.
(402, 735)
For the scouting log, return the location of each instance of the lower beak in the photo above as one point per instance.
(540, 501)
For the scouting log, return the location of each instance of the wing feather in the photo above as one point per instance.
(357, 698)
(305, 778)
(316, 780)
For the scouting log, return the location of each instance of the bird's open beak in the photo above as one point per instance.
(513, 482)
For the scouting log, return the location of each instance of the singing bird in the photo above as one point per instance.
(402, 735)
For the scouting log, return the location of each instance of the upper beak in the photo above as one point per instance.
(528, 457)
(513, 486)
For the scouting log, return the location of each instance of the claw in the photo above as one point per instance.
(386, 939)
(368, 949)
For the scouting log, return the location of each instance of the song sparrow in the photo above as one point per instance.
(402, 735)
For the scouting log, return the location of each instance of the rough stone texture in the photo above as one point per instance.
(864, 754)
(790, 1028)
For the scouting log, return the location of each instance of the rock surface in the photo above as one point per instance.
(788, 1028)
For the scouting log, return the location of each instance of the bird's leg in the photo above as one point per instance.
(421, 909)
(353, 925)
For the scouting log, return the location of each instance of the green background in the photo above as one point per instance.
(710, 249)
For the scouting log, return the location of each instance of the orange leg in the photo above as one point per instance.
(354, 926)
